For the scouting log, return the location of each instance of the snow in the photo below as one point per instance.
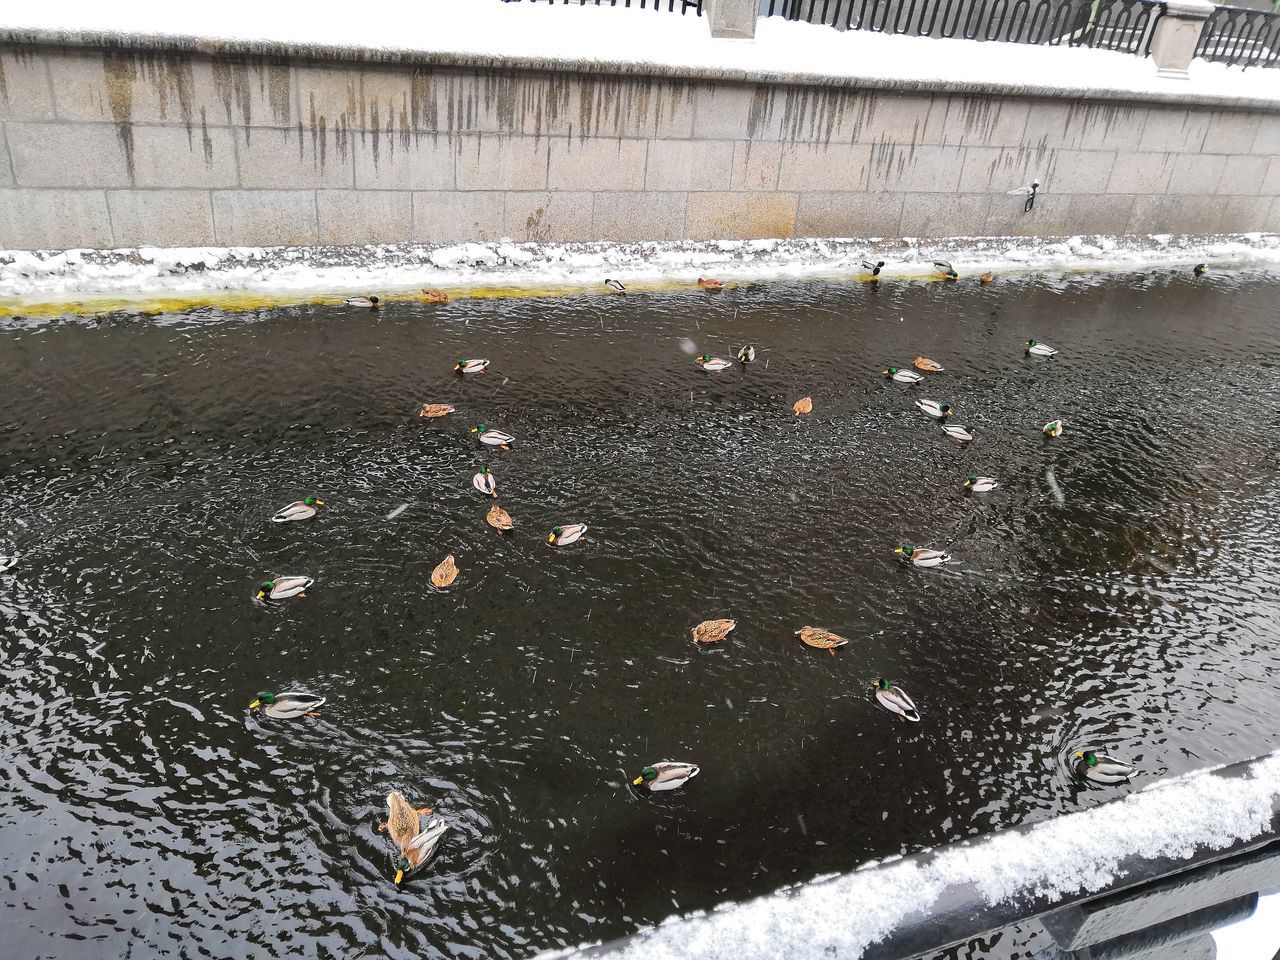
(48, 278)
(1077, 853)
(607, 37)
(1254, 938)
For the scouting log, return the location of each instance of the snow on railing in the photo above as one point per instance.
(669, 6)
(1241, 37)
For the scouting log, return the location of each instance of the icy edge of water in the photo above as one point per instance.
(65, 275)
(1080, 852)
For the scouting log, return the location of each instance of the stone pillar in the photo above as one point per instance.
(733, 19)
(1173, 43)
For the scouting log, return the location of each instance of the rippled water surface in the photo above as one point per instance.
(1117, 590)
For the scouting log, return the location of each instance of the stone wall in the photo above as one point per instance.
(119, 147)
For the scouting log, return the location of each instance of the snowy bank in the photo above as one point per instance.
(300, 273)
(629, 40)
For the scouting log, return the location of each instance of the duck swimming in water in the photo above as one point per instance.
(281, 588)
(615, 286)
(665, 775)
(713, 631)
(981, 484)
(821, 639)
(434, 296)
(288, 706)
(927, 365)
(369, 303)
(303, 509)
(747, 354)
(944, 267)
(470, 366)
(499, 519)
(433, 411)
(1052, 429)
(923, 558)
(957, 432)
(875, 268)
(712, 364)
(445, 573)
(1037, 349)
(803, 406)
(900, 376)
(1102, 769)
(485, 482)
(493, 438)
(414, 839)
(932, 408)
(895, 700)
(987, 278)
(706, 283)
(1199, 269)
(567, 534)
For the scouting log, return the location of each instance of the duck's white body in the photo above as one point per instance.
(290, 706)
(1052, 429)
(981, 484)
(925, 558)
(471, 366)
(957, 432)
(485, 483)
(1041, 350)
(1109, 770)
(905, 376)
(895, 700)
(360, 302)
(747, 354)
(615, 286)
(569, 533)
(496, 438)
(294, 511)
(286, 587)
(932, 408)
(671, 776)
(714, 364)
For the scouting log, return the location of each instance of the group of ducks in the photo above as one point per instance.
(416, 831)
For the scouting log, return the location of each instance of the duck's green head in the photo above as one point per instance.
(647, 775)
(484, 471)
(889, 371)
(971, 481)
(883, 684)
(402, 867)
(312, 502)
(266, 587)
(906, 551)
(946, 409)
(264, 697)
(1031, 343)
(479, 428)
(1089, 757)
(706, 357)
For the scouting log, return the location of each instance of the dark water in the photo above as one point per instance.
(144, 812)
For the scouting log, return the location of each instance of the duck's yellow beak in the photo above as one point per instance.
(898, 550)
(475, 429)
(950, 412)
(399, 877)
(638, 780)
(1078, 754)
(319, 503)
(551, 538)
(261, 594)
(255, 704)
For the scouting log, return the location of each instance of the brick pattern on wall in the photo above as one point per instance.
(103, 148)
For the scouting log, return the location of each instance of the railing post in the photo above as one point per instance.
(733, 19)
(1176, 34)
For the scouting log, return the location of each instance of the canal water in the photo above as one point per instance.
(1116, 591)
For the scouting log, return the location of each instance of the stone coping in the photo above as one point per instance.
(170, 43)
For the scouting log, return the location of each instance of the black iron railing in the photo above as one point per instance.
(663, 6)
(1124, 25)
(1246, 38)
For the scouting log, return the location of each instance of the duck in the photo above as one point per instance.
(706, 283)
(944, 267)
(1101, 768)
(485, 482)
(414, 839)
(1199, 269)
(1037, 349)
(567, 534)
(932, 408)
(470, 366)
(929, 366)
(803, 406)
(713, 631)
(821, 639)
(370, 303)
(615, 286)
(895, 700)
(981, 484)
(1052, 429)
(900, 376)
(747, 354)
(287, 706)
(499, 519)
(281, 588)
(303, 509)
(433, 411)
(987, 278)
(434, 296)
(957, 432)
(493, 438)
(875, 268)
(923, 558)
(712, 364)
(445, 573)
(665, 775)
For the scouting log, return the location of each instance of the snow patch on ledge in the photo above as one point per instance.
(1077, 853)
(50, 277)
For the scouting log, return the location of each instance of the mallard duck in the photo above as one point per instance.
(802, 406)
(981, 484)
(900, 376)
(281, 588)
(615, 286)
(434, 296)
(1052, 429)
(485, 482)
(303, 509)
(895, 700)
(706, 283)
(666, 775)
(987, 278)
(470, 366)
(944, 267)
(370, 303)
(1101, 768)
(433, 411)
(875, 268)
(445, 573)
(414, 839)
(713, 631)
(821, 639)
(747, 354)
(1199, 269)
(712, 364)
(929, 366)
(932, 408)
(957, 432)
(499, 519)
(567, 534)
(287, 706)
(493, 438)
(1038, 349)
(923, 558)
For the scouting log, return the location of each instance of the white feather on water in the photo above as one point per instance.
(397, 511)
